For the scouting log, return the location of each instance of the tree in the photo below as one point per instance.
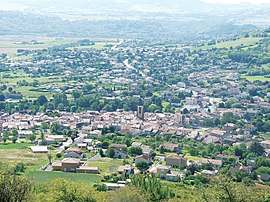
(152, 186)
(133, 151)
(127, 194)
(101, 153)
(45, 126)
(162, 150)
(50, 158)
(58, 155)
(42, 100)
(127, 142)
(105, 145)
(111, 153)
(256, 148)
(2, 97)
(142, 166)
(185, 111)
(32, 137)
(14, 139)
(13, 188)
(76, 94)
(20, 167)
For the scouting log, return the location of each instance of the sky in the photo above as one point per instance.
(237, 1)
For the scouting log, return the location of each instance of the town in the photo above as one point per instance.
(133, 112)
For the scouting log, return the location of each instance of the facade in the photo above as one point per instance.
(176, 161)
(70, 164)
(143, 158)
(172, 147)
(39, 149)
(120, 154)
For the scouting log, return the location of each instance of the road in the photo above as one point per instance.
(65, 144)
(133, 68)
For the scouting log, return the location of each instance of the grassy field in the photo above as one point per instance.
(41, 177)
(10, 79)
(192, 158)
(255, 78)
(14, 146)
(10, 44)
(246, 42)
(107, 165)
(13, 156)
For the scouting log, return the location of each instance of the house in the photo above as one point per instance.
(15, 96)
(88, 170)
(218, 133)
(70, 164)
(173, 176)
(127, 170)
(160, 170)
(82, 145)
(176, 161)
(113, 186)
(225, 157)
(39, 149)
(143, 158)
(145, 149)
(209, 172)
(78, 151)
(264, 177)
(136, 144)
(214, 162)
(119, 153)
(73, 154)
(165, 172)
(171, 147)
(120, 150)
(74, 165)
(246, 169)
(24, 133)
(265, 144)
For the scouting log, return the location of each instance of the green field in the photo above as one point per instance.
(246, 42)
(106, 165)
(255, 78)
(41, 177)
(15, 146)
(10, 44)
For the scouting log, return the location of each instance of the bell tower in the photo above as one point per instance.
(140, 112)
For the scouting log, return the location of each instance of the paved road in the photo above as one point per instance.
(65, 144)
(133, 68)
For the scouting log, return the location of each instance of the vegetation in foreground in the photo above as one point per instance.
(14, 187)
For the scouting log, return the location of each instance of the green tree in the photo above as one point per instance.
(49, 158)
(14, 139)
(133, 151)
(76, 94)
(256, 148)
(142, 166)
(111, 153)
(13, 188)
(42, 100)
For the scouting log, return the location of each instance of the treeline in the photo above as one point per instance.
(81, 102)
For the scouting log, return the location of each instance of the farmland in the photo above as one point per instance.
(41, 177)
(245, 42)
(255, 78)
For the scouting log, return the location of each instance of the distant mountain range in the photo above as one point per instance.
(149, 19)
(177, 6)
